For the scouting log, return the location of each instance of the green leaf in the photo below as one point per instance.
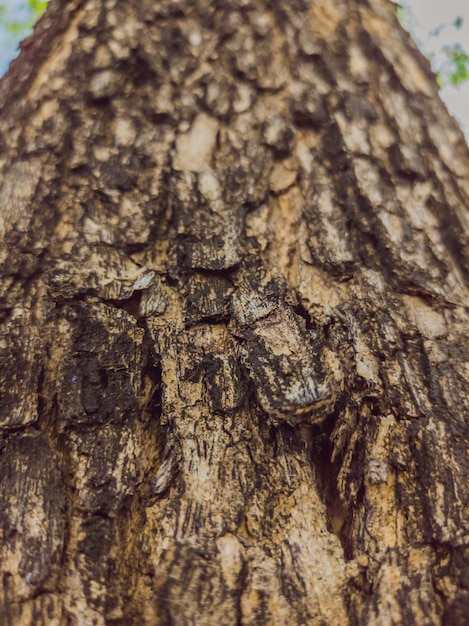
(401, 13)
(14, 27)
(20, 29)
(459, 64)
(37, 6)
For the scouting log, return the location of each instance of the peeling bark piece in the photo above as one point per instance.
(207, 298)
(99, 380)
(211, 243)
(284, 365)
(20, 368)
(32, 525)
(16, 192)
(166, 473)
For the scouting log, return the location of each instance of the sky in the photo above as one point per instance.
(15, 11)
(432, 26)
(430, 21)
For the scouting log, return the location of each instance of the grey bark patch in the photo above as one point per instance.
(16, 193)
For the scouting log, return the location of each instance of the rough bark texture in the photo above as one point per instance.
(233, 292)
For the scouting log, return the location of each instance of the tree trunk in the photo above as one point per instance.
(233, 292)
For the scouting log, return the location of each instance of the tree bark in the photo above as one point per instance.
(233, 292)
